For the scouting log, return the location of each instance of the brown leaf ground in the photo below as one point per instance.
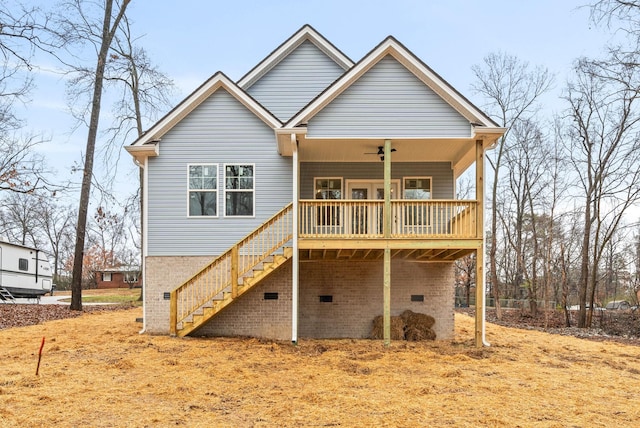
(98, 371)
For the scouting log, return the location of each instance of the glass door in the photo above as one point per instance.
(359, 212)
(367, 218)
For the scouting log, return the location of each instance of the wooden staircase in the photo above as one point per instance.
(233, 273)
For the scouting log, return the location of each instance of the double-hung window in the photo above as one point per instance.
(328, 188)
(239, 189)
(203, 190)
(417, 188)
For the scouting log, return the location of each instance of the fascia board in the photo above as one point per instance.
(305, 33)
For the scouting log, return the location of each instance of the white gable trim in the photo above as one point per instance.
(216, 82)
(305, 33)
(392, 47)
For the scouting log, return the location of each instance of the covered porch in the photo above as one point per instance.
(394, 221)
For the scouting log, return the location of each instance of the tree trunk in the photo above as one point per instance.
(85, 192)
(584, 267)
(493, 268)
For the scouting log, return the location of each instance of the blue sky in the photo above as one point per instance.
(192, 39)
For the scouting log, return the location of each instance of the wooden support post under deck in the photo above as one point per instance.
(479, 330)
(479, 298)
(386, 227)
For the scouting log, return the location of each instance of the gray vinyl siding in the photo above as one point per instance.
(441, 173)
(295, 81)
(220, 130)
(388, 101)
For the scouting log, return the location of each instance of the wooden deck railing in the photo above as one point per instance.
(224, 272)
(362, 219)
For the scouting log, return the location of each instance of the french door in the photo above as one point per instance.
(365, 218)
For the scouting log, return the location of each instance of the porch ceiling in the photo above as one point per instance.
(459, 152)
(365, 150)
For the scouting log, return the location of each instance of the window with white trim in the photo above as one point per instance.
(203, 190)
(328, 188)
(239, 189)
(106, 276)
(416, 188)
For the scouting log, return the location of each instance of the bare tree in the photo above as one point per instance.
(145, 91)
(107, 232)
(18, 26)
(525, 162)
(465, 275)
(511, 89)
(618, 14)
(602, 140)
(79, 24)
(57, 225)
(552, 241)
(22, 169)
(19, 218)
(635, 265)
(21, 31)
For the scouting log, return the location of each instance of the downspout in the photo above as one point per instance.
(143, 268)
(295, 258)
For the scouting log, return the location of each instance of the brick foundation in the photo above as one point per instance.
(355, 290)
(162, 275)
(357, 296)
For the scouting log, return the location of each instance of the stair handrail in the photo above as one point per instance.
(231, 268)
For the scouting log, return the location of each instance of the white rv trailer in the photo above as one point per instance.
(24, 271)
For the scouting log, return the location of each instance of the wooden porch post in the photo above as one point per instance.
(387, 252)
(480, 292)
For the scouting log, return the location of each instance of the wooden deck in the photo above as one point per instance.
(421, 231)
(427, 230)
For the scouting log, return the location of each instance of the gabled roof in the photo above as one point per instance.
(305, 33)
(390, 46)
(215, 82)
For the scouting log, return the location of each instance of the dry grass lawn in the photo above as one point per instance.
(98, 371)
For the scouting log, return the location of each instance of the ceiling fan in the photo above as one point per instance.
(380, 152)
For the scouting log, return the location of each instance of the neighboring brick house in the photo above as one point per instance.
(311, 196)
(121, 277)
